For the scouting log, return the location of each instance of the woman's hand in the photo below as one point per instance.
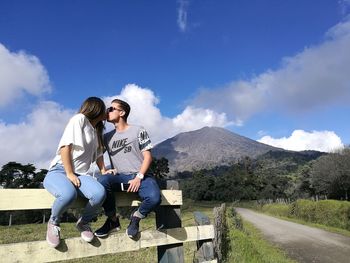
(74, 179)
(109, 171)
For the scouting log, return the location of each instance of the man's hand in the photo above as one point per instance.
(74, 179)
(134, 185)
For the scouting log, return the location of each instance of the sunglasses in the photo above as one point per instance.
(111, 109)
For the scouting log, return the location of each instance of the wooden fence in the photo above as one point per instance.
(169, 239)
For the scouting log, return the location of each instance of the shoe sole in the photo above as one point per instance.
(87, 239)
(130, 236)
(105, 235)
(51, 244)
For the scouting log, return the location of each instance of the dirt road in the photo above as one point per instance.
(302, 243)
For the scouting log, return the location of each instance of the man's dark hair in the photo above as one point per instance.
(125, 107)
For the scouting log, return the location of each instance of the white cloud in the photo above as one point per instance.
(316, 77)
(182, 15)
(195, 118)
(325, 141)
(35, 140)
(144, 111)
(21, 73)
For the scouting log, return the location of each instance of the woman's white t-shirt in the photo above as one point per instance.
(83, 137)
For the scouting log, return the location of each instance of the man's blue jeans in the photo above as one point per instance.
(58, 184)
(149, 192)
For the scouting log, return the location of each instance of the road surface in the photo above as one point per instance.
(301, 243)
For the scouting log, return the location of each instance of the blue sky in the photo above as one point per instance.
(274, 71)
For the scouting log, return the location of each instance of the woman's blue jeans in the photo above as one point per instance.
(148, 191)
(58, 184)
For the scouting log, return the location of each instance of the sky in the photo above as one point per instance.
(274, 71)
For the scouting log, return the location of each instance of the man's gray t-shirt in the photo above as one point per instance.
(125, 148)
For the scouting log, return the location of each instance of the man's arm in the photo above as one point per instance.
(136, 182)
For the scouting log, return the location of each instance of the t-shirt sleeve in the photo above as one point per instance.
(73, 133)
(144, 140)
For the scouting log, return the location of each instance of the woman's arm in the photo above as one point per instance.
(66, 157)
(101, 165)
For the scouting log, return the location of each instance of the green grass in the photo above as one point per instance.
(248, 246)
(35, 232)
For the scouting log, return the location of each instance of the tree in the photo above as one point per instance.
(159, 167)
(331, 175)
(16, 175)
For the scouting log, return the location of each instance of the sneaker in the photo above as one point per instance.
(108, 227)
(85, 230)
(133, 228)
(53, 234)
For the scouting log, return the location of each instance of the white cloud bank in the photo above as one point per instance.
(314, 78)
(20, 73)
(35, 139)
(324, 141)
(144, 111)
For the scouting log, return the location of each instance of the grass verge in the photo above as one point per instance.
(247, 245)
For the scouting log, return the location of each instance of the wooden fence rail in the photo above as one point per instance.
(168, 240)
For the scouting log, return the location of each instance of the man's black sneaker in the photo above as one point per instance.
(108, 227)
(133, 228)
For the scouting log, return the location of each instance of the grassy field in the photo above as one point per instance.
(246, 245)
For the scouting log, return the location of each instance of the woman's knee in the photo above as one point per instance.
(99, 196)
(67, 196)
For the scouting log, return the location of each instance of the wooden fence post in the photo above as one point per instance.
(169, 217)
(220, 240)
(205, 248)
(10, 220)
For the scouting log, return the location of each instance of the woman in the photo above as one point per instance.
(81, 145)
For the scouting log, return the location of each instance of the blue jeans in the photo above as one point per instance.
(58, 184)
(149, 192)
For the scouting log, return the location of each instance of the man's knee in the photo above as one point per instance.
(154, 199)
(104, 180)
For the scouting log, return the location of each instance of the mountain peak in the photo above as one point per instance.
(207, 147)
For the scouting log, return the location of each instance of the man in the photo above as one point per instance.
(129, 148)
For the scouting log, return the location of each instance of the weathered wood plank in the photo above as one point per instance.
(30, 199)
(39, 251)
(205, 248)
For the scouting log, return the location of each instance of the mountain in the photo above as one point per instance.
(206, 148)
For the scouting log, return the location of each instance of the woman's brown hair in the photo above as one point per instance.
(93, 108)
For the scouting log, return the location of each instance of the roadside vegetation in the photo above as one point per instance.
(248, 245)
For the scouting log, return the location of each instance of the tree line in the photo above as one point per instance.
(288, 175)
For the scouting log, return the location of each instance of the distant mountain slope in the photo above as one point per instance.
(206, 148)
